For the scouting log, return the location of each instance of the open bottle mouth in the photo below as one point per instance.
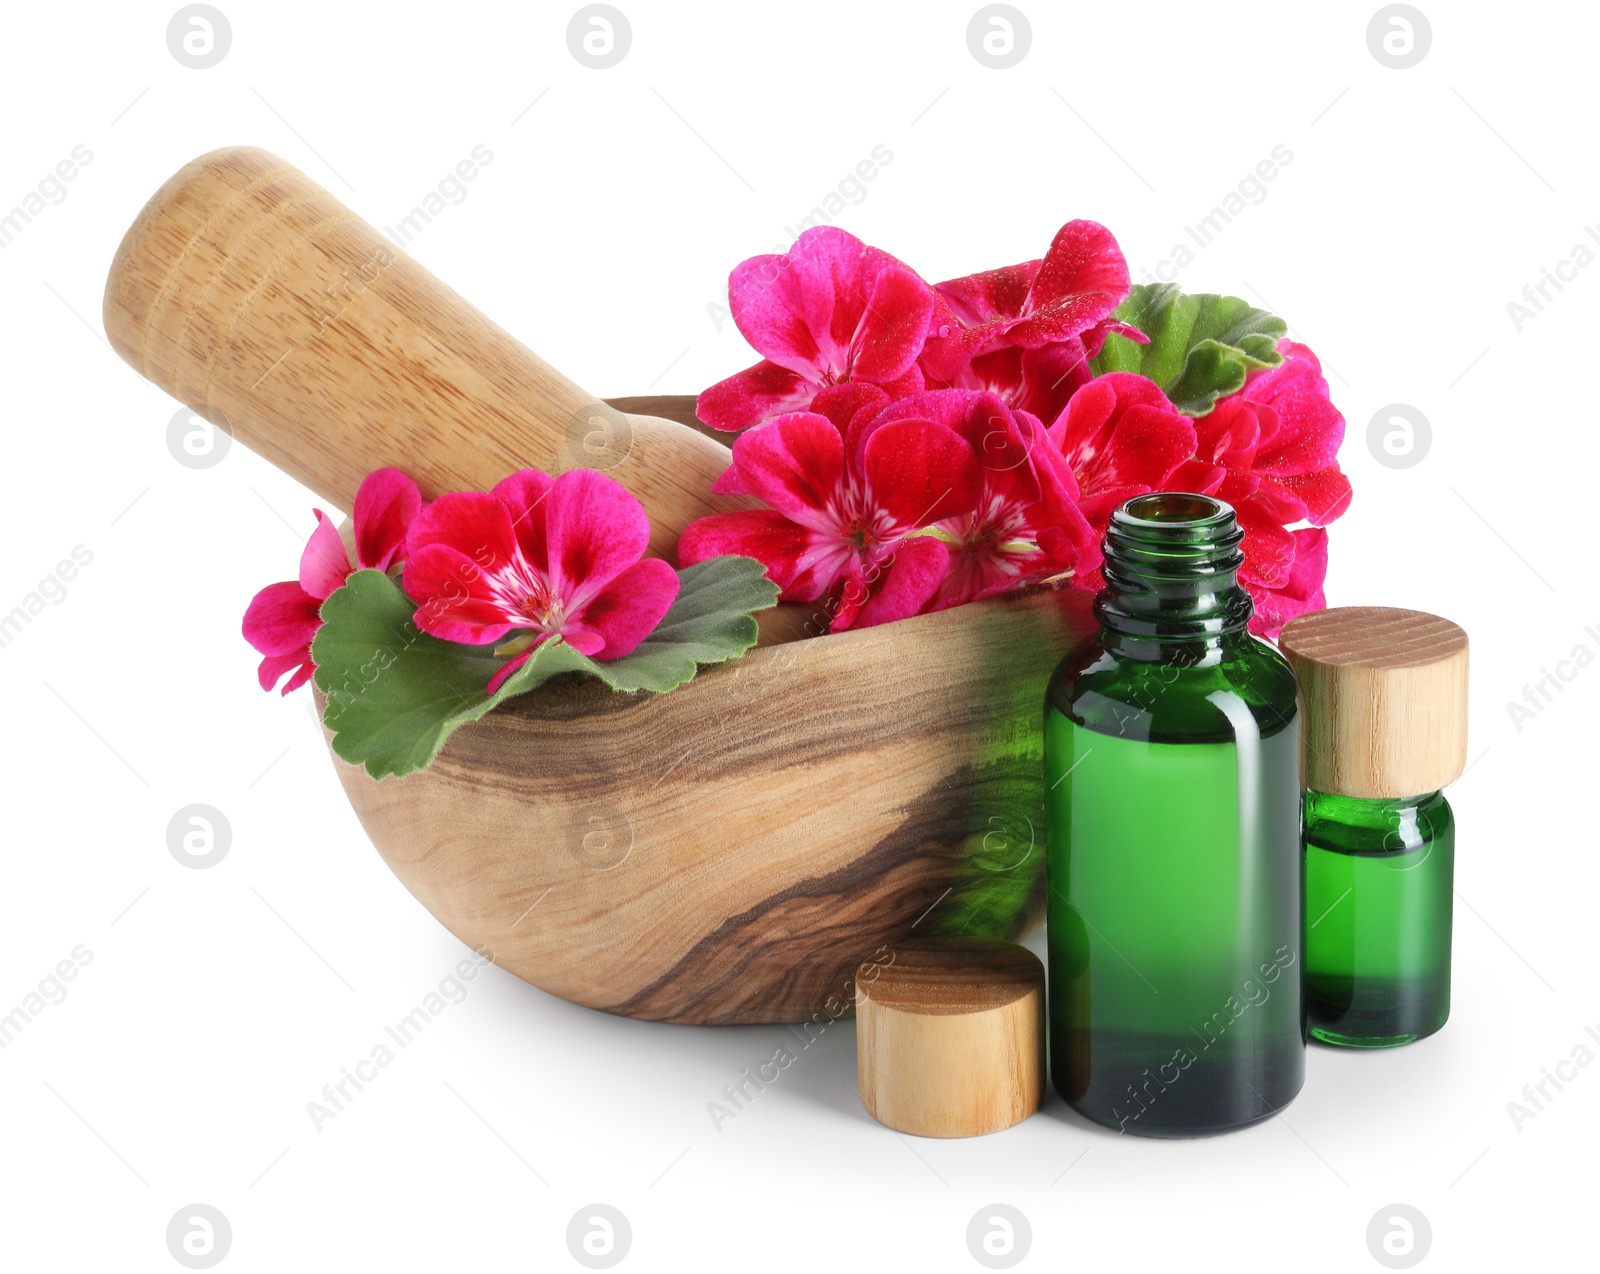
(1175, 530)
(1171, 559)
(1169, 507)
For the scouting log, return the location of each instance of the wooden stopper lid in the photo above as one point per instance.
(950, 1036)
(1385, 694)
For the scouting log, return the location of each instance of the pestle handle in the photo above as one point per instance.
(251, 294)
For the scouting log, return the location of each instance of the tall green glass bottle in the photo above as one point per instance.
(1173, 858)
(1385, 698)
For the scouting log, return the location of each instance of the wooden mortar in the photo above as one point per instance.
(729, 852)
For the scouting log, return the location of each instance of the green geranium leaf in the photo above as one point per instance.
(396, 694)
(1201, 348)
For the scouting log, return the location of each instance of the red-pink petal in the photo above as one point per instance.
(1301, 592)
(918, 472)
(803, 564)
(1293, 349)
(746, 398)
(828, 311)
(843, 403)
(386, 503)
(1063, 530)
(280, 622)
(274, 666)
(974, 576)
(793, 463)
(1311, 427)
(990, 429)
(1301, 447)
(281, 619)
(1122, 437)
(1094, 338)
(907, 584)
(324, 564)
(1038, 380)
(1231, 431)
(1073, 548)
(628, 609)
(1269, 550)
(767, 298)
(971, 313)
(1318, 497)
(911, 383)
(456, 600)
(1051, 374)
(849, 593)
(990, 294)
(892, 328)
(595, 530)
(515, 662)
(833, 273)
(523, 493)
(1082, 280)
(473, 523)
(1201, 478)
(1276, 442)
(583, 639)
(998, 372)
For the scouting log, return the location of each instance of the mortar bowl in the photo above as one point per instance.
(732, 851)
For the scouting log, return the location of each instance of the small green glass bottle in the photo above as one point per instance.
(1173, 855)
(1385, 701)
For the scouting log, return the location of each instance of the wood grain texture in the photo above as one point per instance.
(732, 851)
(251, 294)
(1385, 694)
(950, 1036)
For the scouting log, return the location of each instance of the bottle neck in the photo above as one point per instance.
(1369, 811)
(1172, 574)
(1375, 825)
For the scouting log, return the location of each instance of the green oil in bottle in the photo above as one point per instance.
(1175, 898)
(1379, 877)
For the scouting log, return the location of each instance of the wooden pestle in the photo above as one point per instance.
(252, 295)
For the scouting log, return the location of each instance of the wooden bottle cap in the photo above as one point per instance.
(950, 1036)
(1385, 694)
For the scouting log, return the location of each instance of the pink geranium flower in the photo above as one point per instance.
(1122, 438)
(283, 618)
(542, 557)
(1024, 523)
(1026, 332)
(843, 509)
(1271, 451)
(829, 312)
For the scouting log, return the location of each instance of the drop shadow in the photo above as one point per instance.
(825, 1072)
(1055, 1107)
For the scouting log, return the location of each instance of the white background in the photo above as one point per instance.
(219, 1002)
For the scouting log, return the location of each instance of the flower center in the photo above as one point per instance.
(854, 519)
(998, 530)
(542, 607)
(529, 601)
